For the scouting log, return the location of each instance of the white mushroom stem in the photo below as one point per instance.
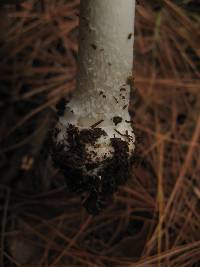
(101, 98)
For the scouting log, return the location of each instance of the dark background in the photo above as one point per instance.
(154, 219)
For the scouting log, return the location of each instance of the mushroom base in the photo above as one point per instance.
(95, 180)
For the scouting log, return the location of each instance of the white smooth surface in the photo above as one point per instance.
(105, 63)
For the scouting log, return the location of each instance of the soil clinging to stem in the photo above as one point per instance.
(109, 174)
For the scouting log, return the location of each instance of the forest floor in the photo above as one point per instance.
(154, 220)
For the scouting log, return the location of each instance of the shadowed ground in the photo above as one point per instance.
(153, 219)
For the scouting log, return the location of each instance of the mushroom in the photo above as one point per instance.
(93, 141)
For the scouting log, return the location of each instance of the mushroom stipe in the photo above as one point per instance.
(93, 141)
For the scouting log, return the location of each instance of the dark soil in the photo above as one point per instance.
(113, 172)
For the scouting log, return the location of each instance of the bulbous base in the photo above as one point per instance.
(93, 162)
